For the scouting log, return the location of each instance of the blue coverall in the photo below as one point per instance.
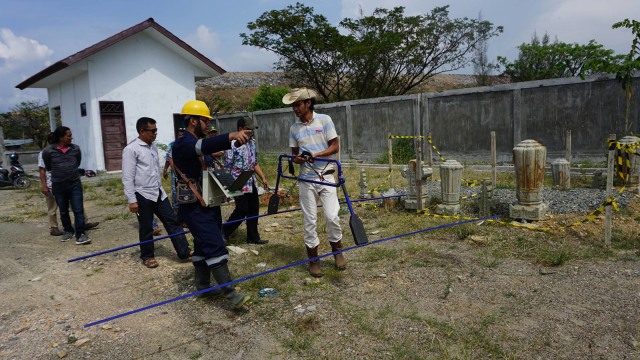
(208, 244)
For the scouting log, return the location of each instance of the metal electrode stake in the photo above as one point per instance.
(274, 201)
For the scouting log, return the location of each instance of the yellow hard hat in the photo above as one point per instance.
(196, 107)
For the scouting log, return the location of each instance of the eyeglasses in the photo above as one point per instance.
(152, 130)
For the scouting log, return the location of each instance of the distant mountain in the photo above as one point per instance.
(244, 80)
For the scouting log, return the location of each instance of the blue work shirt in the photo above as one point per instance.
(185, 153)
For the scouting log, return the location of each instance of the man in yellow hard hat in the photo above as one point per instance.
(210, 253)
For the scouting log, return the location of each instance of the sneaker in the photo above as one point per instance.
(91, 225)
(83, 239)
(54, 231)
(66, 236)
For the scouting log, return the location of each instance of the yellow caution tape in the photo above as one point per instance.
(434, 148)
(591, 217)
(405, 137)
(387, 181)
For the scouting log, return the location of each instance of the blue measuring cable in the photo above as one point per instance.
(249, 277)
(187, 231)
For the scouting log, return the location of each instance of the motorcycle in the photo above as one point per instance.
(15, 176)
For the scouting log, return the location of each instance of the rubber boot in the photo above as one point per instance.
(341, 263)
(222, 276)
(314, 266)
(203, 281)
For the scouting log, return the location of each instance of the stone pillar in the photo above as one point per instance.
(630, 163)
(561, 174)
(450, 178)
(364, 193)
(409, 173)
(529, 158)
(484, 201)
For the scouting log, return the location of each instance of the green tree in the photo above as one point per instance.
(543, 59)
(28, 120)
(267, 98)
(482, 67)
(629, 66)
(383, 54)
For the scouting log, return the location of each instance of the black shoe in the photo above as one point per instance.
(259, 242)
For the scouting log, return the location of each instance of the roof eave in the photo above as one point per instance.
(96, 48)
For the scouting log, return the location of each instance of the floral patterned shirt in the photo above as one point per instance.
(243, 158)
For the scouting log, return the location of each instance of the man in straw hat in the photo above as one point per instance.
(314, 136)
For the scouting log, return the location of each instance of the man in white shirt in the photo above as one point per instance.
(52, 207)
(144, 192)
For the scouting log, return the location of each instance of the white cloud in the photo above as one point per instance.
(204, 40)
(16, 51)
(20, 57)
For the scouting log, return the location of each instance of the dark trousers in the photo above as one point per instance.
(247, 205)
(162, 209)
(208, 246)
(217, 216)
(70, 193)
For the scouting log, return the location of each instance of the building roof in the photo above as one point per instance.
(148, 25)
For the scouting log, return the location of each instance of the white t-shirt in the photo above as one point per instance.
(41, 165)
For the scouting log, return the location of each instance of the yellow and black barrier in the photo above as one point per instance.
(623, 159)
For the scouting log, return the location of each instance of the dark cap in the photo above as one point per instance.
(246, 122)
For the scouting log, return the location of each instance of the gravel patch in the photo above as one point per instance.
(572, 201)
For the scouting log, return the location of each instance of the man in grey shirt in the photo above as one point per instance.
(144, 192)
(62, 159)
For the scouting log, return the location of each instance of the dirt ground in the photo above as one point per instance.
(435, 294)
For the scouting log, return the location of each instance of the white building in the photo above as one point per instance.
(101, 91)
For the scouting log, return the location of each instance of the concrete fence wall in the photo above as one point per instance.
(461, 121)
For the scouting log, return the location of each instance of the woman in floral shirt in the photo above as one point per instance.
(237, 160)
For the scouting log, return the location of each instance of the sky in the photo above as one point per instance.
(37, 33)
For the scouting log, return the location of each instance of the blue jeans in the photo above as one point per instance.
(70, 193)
(162, 209)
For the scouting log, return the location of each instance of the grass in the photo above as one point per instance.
(12, 219)
(387, 324)
(373, 254)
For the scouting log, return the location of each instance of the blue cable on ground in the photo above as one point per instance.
(187, 231)
(233, 282)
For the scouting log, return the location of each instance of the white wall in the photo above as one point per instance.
(150, 79)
